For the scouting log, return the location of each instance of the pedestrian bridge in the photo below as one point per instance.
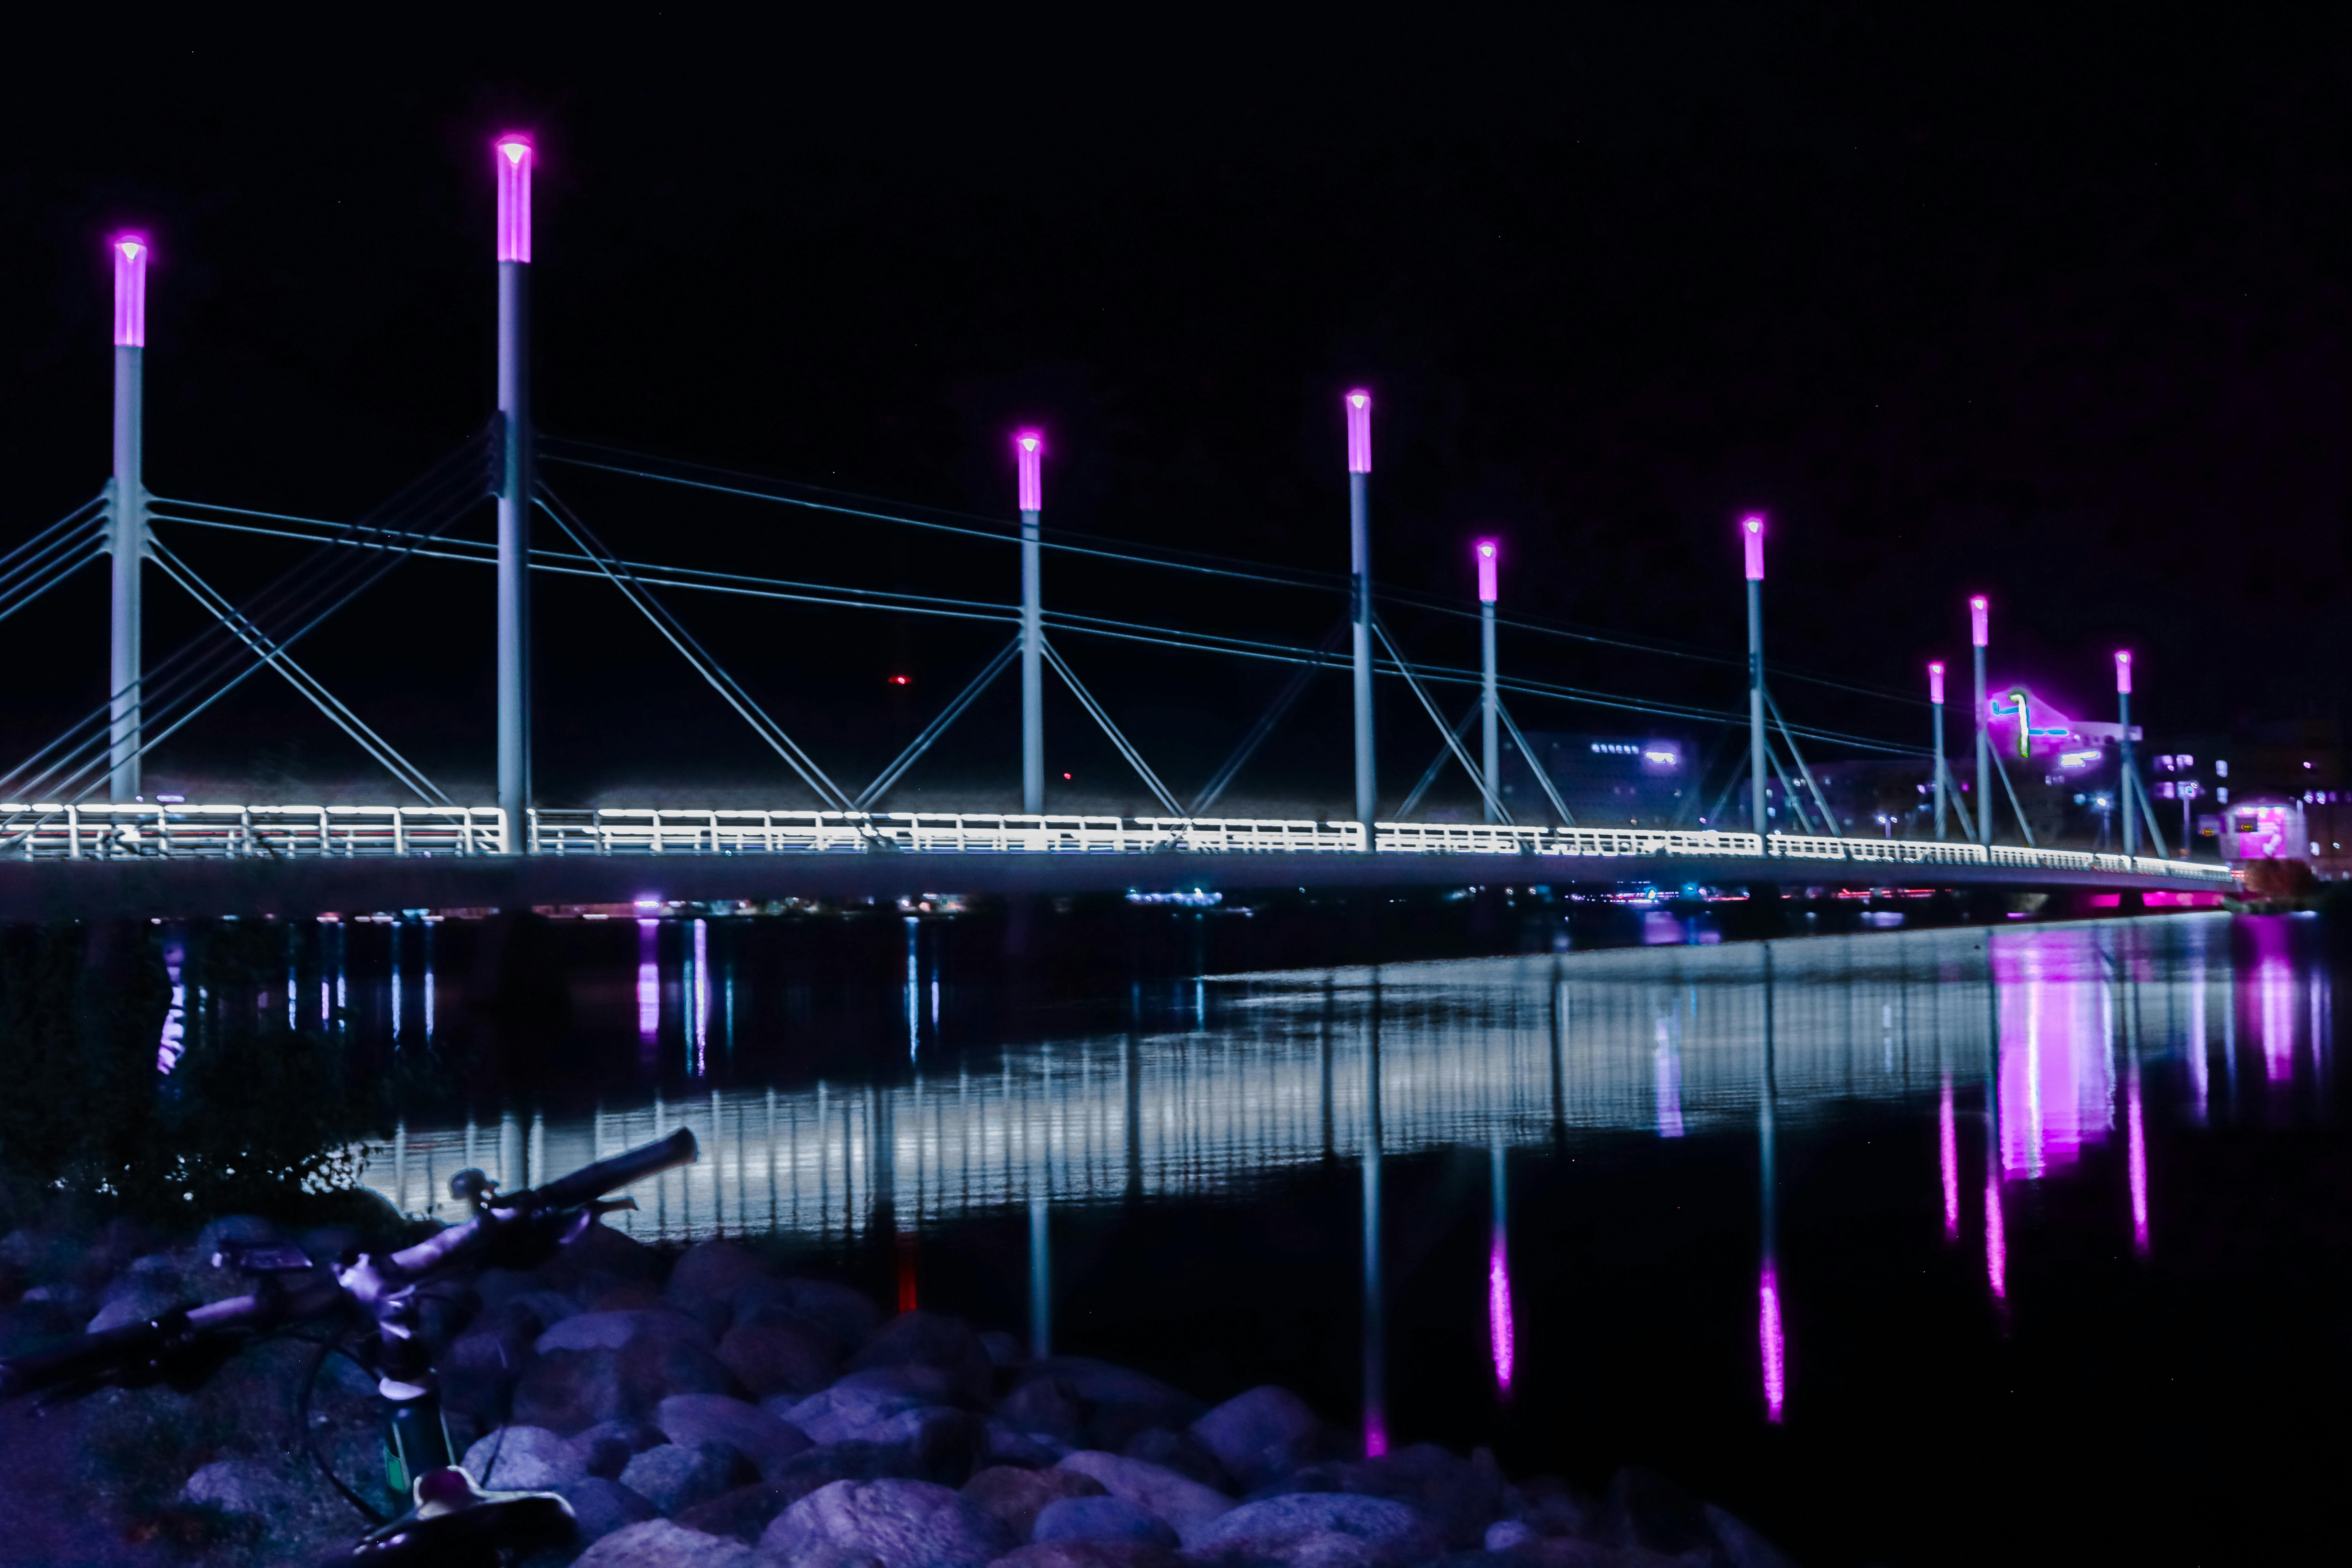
(223, 858)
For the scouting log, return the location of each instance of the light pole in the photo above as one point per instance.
(1980, 614)
(1751, 531)
(1491, 750)
(1029, 450)
(2130, 780)
(1935, 704)
(514, 157)
(1360, 596)
(127, 532)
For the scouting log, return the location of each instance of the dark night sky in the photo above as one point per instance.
(2055, 315)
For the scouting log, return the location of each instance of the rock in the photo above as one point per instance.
(1384, 1533)
(900, 1524)
(844, 1315)
(1741, 1544)
(1046, 1406)
(844, 1411)
(1002, 1348)
(1506, 1534)
(1115, 1403)
(1007, 1446)
(1182, 1501)
(706, 1278)
(244, 1228)
(927, 1338)
(658, 1543)
(1181, 1452)
(1550, 1507)
(674, 1476)
(1089, 1555)
(601, 1249)
(613, 1330)
(1100, 1519)
(481, 1366)
(1265, 1433)
(945, 1445)
(527, 1459)
(1016, 1496)
(1647, 1511)
(135, 1299)
(742, 1514)
(779, 1355)
(1462, 1495)
(603, 1506)
(569, 1391)
(606, 1449)
(257, 1488)
(758, 1437)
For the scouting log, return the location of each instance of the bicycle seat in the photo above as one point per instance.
(457, 1523)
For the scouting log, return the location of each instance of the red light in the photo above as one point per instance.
(902, 681)
(1066, 776)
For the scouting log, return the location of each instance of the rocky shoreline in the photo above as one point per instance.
(703, 1409)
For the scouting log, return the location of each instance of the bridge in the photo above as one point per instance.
(82, 834)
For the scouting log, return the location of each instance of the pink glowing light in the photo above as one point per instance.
(1359, 432)
(1767, 1328)
(1947, 1148)
(2056, 1076)
(648, 984)
(514, 160)
(130, 291)
(1498, 1312)
(1376, 1435)
(2123, 673)
(1029, 451)
(1486, 550)
(2135, 1160)
(1980, 614)
(1996, 1243)
(1935, 681)
(1751, 533)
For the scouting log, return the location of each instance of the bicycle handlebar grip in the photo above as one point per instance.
(595, 1180)
(108, 1349)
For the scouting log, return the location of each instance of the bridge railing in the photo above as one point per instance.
(45, 831)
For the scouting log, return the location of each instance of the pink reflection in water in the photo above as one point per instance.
(1376, 1435)
(1947, 1147)
(1668, 1065)
(2057, 1080)
(1768, 1332)
(2273, 991)
(648, 985)
(1498, 1311)
(2136, 1156)
(1996, 1244)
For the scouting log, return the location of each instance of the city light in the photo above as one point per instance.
(1359, 432)
(514, 160)
(1029, 450)
(1979, 613)
(2123, 673)
(1485, 552)
(130, 291)
(1935, 680)
(1751, 532)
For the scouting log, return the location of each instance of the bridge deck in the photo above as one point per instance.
(78, 860)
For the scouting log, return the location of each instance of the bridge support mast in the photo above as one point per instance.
(2128, 787)
(1978, 614)
(514, 157)
(1751, 532)
(1359, 599)
(127, 519)
(1935, 703)
(1029, 450)
(1489, 705)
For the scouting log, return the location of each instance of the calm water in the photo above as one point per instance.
(1911, 1245)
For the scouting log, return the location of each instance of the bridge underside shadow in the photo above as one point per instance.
(305, 886)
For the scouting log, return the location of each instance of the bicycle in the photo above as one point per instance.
(451, 1522)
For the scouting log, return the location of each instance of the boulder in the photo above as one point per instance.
(1002, 1348)
(1181, 1452)
(1461, 1496)
(1646, 1510)
(845, 1316)
(674, 1476)
(244, 1228)
(1045, 1406)
(1265, 1433)
(602, 1506)
(1741, 1544)
(612, 1330)
(1028, 1449)
(1101, 1518)
(942, 1444)
(1115, 1403)
(899, 1524)
(1089, 1555)
(606, 1449)
(1550, 1507)
(1182, 1501)
(1384, 1534)
(658, 1543)
(706, 1278)
(928, 1339)
(481, 1366)
(1017, 1496)
(758, 1437)
(844, 1411)
(569, 1391)
(778, 1356)
(525, 1459)
(742, 1514)
(1506, 1534)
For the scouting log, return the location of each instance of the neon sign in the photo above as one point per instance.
(2021, 705)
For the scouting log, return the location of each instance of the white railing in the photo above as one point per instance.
(168, 831)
